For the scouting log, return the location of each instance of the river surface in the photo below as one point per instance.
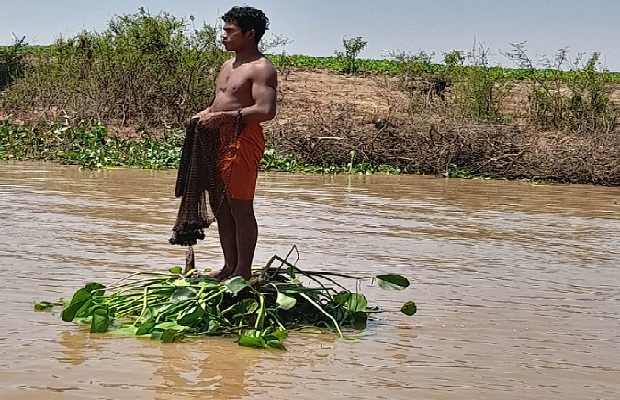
(517, 286)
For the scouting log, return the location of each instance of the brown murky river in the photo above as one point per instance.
(517, 286)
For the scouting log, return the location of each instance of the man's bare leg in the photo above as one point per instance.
(246, 235)
(227, 230)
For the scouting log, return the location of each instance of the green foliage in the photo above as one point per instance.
(286, 163)
(352, 48)
(12, 62)
(477, 89)
(413, 65)
(89, 147)
(143, 70)
(43, 306)
(170, 307)
(392, 282)
(409, 308)
(333, 63)
(396, 63)
(575, 95)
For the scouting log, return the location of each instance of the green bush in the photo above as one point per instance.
(143, 70)
(575, 96)
(352, 48)
(12, 62)
(88, 146)
(477, 89)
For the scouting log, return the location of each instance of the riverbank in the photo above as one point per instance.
(121, 97)
(335, 123)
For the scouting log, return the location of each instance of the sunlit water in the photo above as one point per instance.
(517, 288)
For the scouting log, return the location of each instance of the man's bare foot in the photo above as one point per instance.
(222, 274)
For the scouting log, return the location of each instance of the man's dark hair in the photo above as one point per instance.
(248, 18)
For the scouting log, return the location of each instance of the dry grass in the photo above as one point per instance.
(324, 116)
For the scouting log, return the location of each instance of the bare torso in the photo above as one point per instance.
(234, 84)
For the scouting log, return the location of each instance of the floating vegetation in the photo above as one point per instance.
(92, 147)
(172, 306)
(89, 146)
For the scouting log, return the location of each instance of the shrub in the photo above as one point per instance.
(143, 70)
(12, 62)
(578, 101)
(478, 89)
(352, 48)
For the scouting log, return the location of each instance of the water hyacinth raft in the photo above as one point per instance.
(171, 306)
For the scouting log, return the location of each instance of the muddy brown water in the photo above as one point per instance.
(517, 287)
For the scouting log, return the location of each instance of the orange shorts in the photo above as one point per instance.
(239, 161)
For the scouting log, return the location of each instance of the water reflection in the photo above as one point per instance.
(201, 370)
(209, 368)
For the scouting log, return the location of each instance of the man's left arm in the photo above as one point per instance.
(264, 84)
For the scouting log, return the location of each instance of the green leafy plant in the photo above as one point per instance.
(143, 70)
(478, 89)
(352, 48)
(173, 306)
(12, 62)
(89, 146)
(575, 94)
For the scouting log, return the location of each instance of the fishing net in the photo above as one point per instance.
(200, 184)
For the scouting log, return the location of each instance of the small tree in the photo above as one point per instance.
(478, 89)
(12, 61)
(352, 48)
(572, 94)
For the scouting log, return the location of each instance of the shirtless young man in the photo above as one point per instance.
(246, 89)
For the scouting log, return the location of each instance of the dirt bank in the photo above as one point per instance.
(323, 116)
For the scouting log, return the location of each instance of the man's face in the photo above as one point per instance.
(233, 38)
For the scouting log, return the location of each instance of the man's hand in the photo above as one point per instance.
(210, 119)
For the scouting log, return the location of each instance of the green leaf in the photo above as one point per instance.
(342, 298)
(280, 333)
(79, 303)
(164, 326)
(101, 320)
(392, 282)
(176, 270)
(275, 344)
(236, 285)
(146, 327)
(409, 308)
(95, 289)
(69, 313)
(81, 296)
(86, 310)
(214, 328)
(357, 302)
(44, 305)
(171, 335)
(191, 316)
(182, 294)
(328, 315)
(252, 341)
(125, 331)
(285, 302)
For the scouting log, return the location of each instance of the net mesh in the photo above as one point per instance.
(200, 184)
